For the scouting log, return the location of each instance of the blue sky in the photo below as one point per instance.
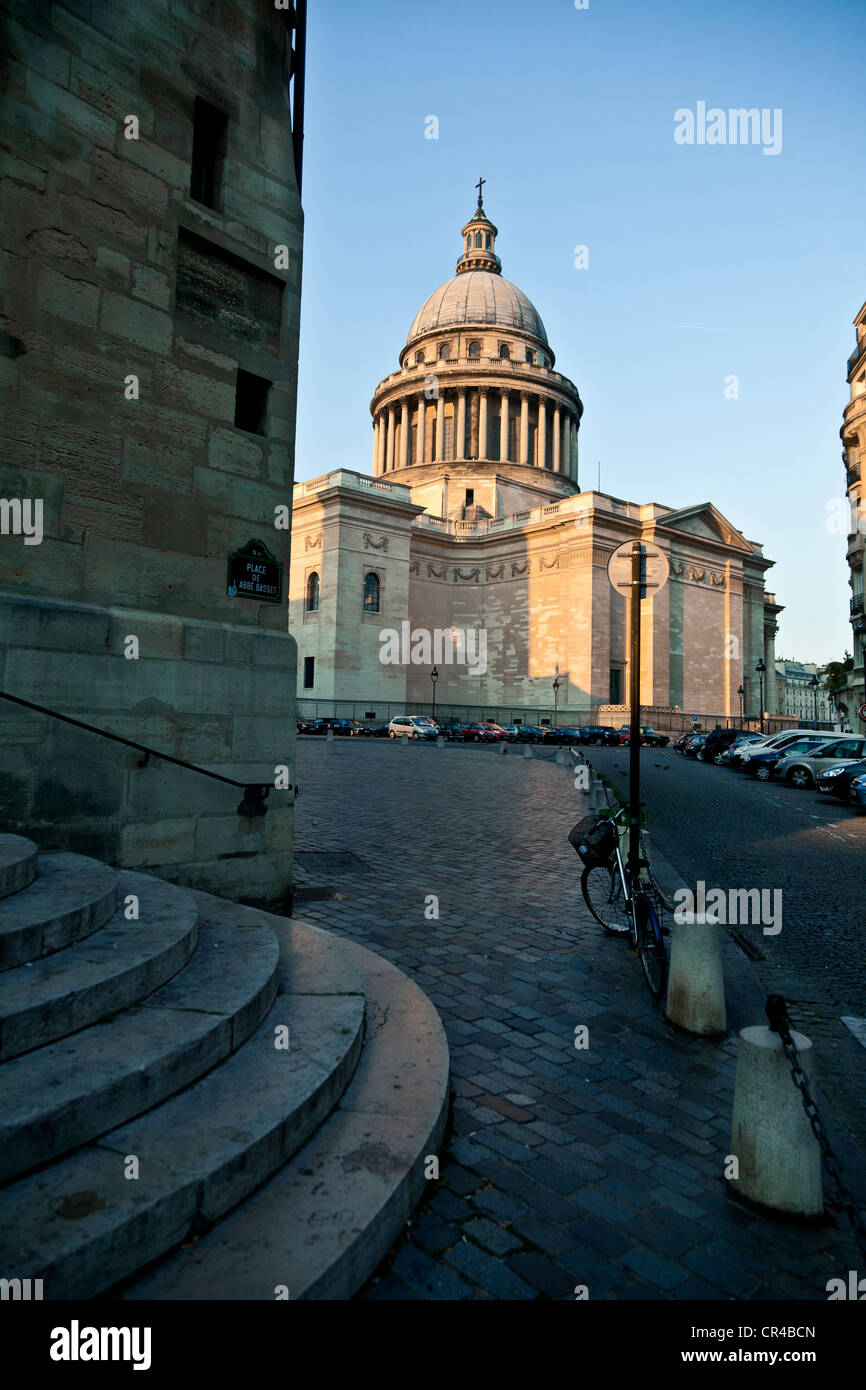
(704, 261)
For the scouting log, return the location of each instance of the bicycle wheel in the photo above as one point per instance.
(651, 945)
(603, 894)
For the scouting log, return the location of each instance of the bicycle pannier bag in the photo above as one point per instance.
(594, 840)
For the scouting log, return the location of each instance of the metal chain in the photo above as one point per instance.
(777, 1013)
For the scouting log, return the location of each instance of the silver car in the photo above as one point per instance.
(413, 725)
(801, 769)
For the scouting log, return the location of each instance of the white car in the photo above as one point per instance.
(415, 726)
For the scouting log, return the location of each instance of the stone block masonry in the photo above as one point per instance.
(140, 277)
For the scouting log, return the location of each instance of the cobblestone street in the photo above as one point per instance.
(599, 1166)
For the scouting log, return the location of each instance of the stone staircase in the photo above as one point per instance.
(198, 1099)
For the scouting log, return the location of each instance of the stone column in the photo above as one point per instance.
(377, 443)
(572, 450)
(503, 426)
(389, 455)
(404, 435)
(557, 439)
(524, 427)
(542, 432)
(482, 423)
(460, 440)
(440, 428)
(566, 444)
(421, 442)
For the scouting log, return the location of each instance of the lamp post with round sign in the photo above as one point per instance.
(634, 569)
(555, 700)
(813, 686)
(741, 690)
(434, 676)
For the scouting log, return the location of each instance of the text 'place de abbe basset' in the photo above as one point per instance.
(432, 719)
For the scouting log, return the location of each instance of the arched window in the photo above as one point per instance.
(474, 349)
(530, 356)
(469, 242)
(313, 593)
(488, 241)
(444, 351)
(419, 356)
(371, 593)
(478, 242)
(504, 350)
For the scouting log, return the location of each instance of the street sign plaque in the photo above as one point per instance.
(654, 568)
(253, 572)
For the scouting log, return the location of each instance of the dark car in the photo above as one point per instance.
(694, 746)
(532, 733)
(599, 734)
(380, 731)
(836, 781)
(451, 730)
(679, 743)
(564, 736)
(718, 740)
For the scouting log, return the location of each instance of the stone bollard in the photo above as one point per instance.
(696, 982)
(527, 752)
(404, 739)
(503, 747)
(329, 736)
(779, 1158)
(440, 741)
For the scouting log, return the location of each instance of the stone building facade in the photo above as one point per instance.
(473, 523)
(853, 433)
(151, 280)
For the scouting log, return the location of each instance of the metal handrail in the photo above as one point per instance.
(253, 803)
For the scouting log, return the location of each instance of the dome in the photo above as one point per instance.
(477, 298)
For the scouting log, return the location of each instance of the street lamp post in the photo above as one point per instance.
(741, 691)
(761, 668)
(555, 700)
(434, 676)
(813, 686)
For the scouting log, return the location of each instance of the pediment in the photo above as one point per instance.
(706, 521)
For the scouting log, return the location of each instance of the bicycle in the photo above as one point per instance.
(607, 891)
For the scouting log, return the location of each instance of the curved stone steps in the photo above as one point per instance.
(321, 1225)
(118, 966)
(85, 1225)
(17, 863)
(69, 1092)
(70, 898)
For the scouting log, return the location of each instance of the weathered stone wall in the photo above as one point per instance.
(129, 310)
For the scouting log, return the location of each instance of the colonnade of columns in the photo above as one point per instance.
(472, 409)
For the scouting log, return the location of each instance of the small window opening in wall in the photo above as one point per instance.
(208, 152)
(309, 672)
(470, 496)
(251, 402)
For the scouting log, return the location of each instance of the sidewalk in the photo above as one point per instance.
(600, 1166)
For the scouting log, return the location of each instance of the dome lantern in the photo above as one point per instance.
(479, 241)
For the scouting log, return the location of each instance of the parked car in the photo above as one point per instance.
(343, 728)
(782, 739)
(532, 733)
(599, 734)
(496, 729)
(625, 735)
(717, 741)
(857, 792)
(760, 761)
(679, 743)
(801, 769)
(452, 730)
(694, 746)
(726, 758)
(512, 731)
(648, 736)
(415, 726)
(380, 731)
(836, 781)
(568, 736)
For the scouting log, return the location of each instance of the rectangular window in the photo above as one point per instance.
(208, 153)
(309, 671)
(615, 686)
(470, 496)
(251, 403)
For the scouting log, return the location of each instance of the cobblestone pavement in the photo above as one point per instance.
(733, 831)
(601, 1166)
